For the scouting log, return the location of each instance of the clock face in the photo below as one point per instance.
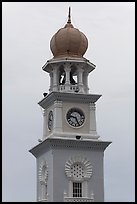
(75, 117)
(50, 120)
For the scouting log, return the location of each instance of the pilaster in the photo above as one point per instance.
(44, 124)
(55, 77)
(51, 81)
(80, 79)
(92, 119)
(85, 81)
(57, 125)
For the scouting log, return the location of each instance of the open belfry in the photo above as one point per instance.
(70, 155)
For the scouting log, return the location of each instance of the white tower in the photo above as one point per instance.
(70, 155)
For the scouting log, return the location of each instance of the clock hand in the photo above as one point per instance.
(75, 118)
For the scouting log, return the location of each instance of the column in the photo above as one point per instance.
(57, 124)
(92, 119)
(51, 81)
(80, 79)
(55, 81)
(85, 81)
(44, 124)
(67, 72)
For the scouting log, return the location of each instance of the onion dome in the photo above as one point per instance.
(68, 41)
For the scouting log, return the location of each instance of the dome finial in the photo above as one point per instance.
(69, 16)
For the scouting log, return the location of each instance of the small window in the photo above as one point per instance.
(77, 189)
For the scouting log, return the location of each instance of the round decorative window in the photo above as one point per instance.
(77, 170)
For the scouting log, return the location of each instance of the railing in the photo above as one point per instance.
(72, 88)
(75, 199)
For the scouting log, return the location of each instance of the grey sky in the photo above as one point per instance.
(26, 32)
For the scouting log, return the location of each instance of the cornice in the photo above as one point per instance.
(89, 66)
(68, 97)
(55, 143)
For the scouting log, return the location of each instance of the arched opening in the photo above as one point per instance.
(62, 76)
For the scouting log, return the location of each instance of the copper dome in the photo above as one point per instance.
(68, 42)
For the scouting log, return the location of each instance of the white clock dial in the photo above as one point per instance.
(75, 117)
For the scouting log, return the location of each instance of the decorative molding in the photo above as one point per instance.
(92, 106)
(43, 172)
(69, 97)
(80, 68)
(66, 135)
(57, 104)
(67, 66)
(83, 165)
(54, 66)
(44, 112)
(43, 199)
(81, 199)
(60, 61)
(51, 143)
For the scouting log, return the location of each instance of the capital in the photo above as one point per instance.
(44, 112)
(67, 66)
(92, 106)
(58, 104)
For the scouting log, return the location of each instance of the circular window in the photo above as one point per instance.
(77, 171)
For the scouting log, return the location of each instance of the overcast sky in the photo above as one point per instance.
(26, 32)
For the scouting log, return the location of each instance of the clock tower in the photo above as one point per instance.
(70, 155)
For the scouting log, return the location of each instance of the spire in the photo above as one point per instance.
(69, 17)
(68, 24)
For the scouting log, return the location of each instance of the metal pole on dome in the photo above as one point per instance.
(69, 16)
